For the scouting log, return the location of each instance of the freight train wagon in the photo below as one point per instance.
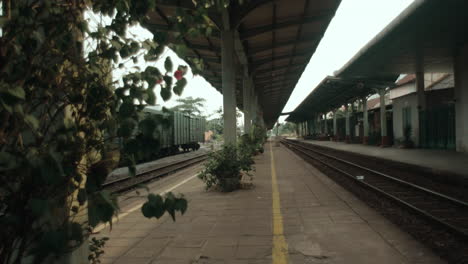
(179, 131)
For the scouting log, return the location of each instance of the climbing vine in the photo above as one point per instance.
(61, 110)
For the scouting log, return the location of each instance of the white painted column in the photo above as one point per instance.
(229, 86)
(348, 134)
(383, 119)
(246, 96)
(365, 121)
(461, 99)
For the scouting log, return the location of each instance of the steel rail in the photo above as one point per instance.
(130, 182)
(426, 191)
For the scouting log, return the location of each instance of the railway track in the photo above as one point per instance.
(441, 210)
(122, 184)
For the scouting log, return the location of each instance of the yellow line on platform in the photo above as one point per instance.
(280, 247)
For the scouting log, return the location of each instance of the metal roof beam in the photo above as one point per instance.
(277, 76)
(280, 44)
(288, 23)
(188, 43)
(281, 68)
(259, 63)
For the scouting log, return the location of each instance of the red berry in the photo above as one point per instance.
(178, 74)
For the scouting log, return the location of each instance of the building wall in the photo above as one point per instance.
(399, 103)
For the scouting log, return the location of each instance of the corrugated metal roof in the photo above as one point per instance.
(278, 37)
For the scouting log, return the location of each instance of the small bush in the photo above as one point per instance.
(224, 168)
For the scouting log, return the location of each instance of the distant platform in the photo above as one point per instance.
(440, 160)
(152, 165)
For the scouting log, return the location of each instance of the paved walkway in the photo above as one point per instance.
(442, 160)
(294, 214)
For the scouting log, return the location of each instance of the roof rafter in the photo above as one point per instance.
(259, 63)
(284, 43)
(288, 23)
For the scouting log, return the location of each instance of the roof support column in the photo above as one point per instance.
(348, 134)
(304, 131)
(461, 99)
(229, 86)
(253, 107)
(365, 121)
(318, 125)
(299, 125)
(383, 119)
(247, 98)
(335, 127)
(325, 125)
(420, 88)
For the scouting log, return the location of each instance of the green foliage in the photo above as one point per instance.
(96, 249)
(190, 106)
(157, 205)
(286, 128)
(224, 168)
(258, 135)
(60, 109)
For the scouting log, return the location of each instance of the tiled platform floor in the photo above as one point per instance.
(322, 223)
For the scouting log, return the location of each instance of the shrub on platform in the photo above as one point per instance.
(224, 168)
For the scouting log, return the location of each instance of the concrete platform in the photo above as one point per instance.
(293, 214)
(441, 160)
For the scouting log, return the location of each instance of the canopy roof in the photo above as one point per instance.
(426, 36)
(331, 94)
(427, 33)
(275, 40)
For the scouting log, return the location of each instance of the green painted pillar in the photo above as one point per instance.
(247, 96)
(229, 86)
(348, 131)
(365, 121)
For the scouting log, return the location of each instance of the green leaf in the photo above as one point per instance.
(16, 91)
(181, 205)
(179, 86)
(51, 169)
(7, 161)
(168, 64)
(155, 199)
(31, 121)
(132, 167)
(169, 204)
(151, 97)
(168, 81)
(76, 232)
(147, 210)
(166, 94)
(126, 128)
(6, 106)
(126, 109)
(147, 127)
(39, 206)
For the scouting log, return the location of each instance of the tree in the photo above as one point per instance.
(60, 110)
(190, 106)
(287, 128)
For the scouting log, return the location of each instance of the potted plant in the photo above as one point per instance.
(224, 168)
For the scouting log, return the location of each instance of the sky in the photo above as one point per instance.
(356, 22)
